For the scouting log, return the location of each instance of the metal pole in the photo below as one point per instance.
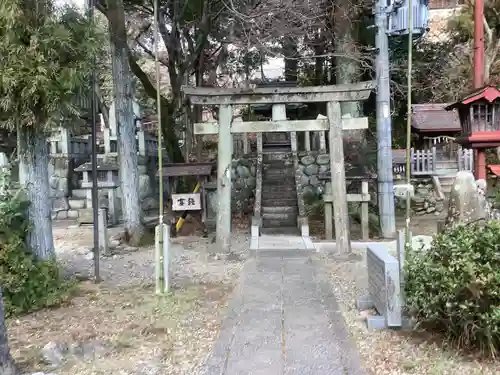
(95, 198)
(384, 126)
(408, 119)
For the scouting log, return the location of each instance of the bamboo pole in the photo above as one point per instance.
(161, 270)
(408, 122)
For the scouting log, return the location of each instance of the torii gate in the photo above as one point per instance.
(279, 97)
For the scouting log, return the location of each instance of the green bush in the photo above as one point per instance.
(454, 287)
(28, 284)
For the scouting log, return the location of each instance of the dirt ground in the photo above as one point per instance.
(119, 326)
(419, 225)
(397, 352)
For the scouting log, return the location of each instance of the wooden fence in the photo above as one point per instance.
(465, 159)
(425, 162)
(62, 143)
(147, 143)
(363, 198)
(241, 144)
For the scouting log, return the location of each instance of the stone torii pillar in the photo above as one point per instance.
(226, 98)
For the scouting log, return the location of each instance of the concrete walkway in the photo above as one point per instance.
(283, 320)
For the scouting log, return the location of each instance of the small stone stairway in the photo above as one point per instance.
(446, 170)
(279, 194)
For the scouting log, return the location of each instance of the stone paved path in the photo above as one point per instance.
(283, 320)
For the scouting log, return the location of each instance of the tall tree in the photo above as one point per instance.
(461, 31)
(44, 59)
(345, 16)
(126, 129)
(7, 366)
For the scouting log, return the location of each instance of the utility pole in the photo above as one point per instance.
(384, 126)
(478, 78)
(393, 19)
(95, 196)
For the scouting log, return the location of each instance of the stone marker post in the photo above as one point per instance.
(102, 227)
(328, 213)
(4, 164)
(401, 254)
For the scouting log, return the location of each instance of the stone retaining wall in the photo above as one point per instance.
(425, 199)
(243, 182)
(243, 186)
(311, 165)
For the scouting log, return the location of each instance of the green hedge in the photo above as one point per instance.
(28, 284)
(455, 286)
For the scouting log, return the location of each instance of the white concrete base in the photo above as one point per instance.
(281, 242)
(330, 246)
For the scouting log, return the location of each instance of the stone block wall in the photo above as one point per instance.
(243, 171)
(60, 184)
(311, 165)
(425, 199)
(243, 184)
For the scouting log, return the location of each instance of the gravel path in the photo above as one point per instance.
(193, 259)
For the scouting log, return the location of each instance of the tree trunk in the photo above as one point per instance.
(167, 110)
(34, 175)
(347, 68)
(7, 366)
(168, 125)
(291, 64)
(127, 147)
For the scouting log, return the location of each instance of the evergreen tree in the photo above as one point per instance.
(44, 68)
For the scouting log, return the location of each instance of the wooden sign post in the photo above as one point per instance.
(186, 202)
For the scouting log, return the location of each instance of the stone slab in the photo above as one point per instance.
(383, 283)
(364, 303)
(376, 322)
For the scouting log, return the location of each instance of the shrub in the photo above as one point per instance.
(28, 284)
(454, 287)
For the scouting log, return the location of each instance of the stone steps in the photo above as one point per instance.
(279, 194)
(85, 216)
(278, 180)
(77, 203)
(273, 145)
(279, 201)
(277, 223)
(279, 210)
(273, 179)
(285, 170)
(275, 137)
(278, 188)
(79, 193)
(447, 182)
(283, 216)
(293, 231)
(271, 157)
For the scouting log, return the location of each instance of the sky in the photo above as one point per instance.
(79, 3)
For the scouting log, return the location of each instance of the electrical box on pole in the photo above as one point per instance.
(398, 17)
